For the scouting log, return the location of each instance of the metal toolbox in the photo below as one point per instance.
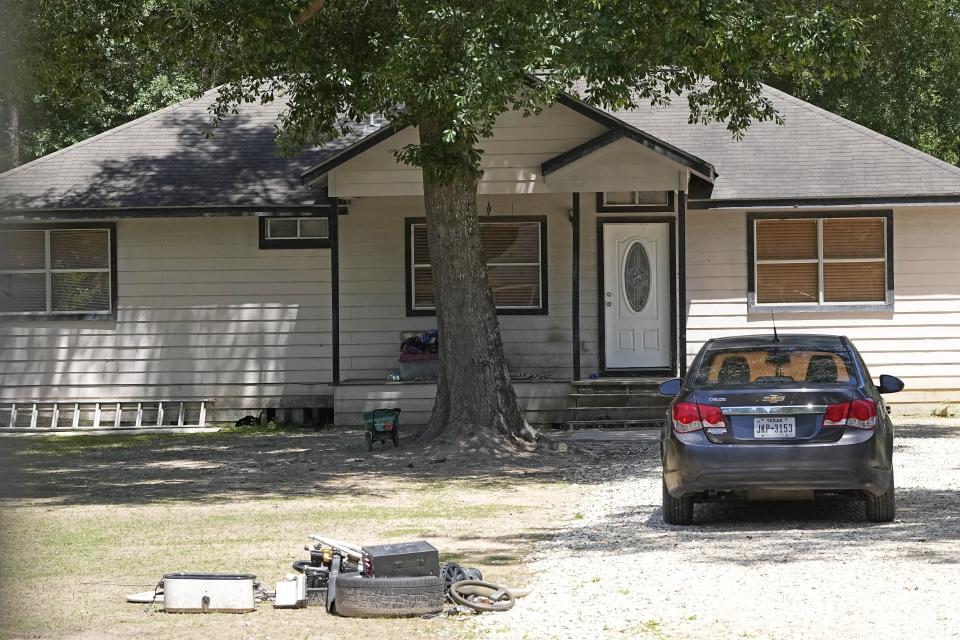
(402, 559)
(208, 593)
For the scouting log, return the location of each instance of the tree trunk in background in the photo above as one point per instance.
(11, 136)
(475, 399)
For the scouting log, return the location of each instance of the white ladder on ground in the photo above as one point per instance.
(42, 415)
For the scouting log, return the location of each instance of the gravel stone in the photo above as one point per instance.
(748, 570)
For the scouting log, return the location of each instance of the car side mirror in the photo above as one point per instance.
(670, 388)
(890, 384)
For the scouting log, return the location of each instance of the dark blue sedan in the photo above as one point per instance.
(777, 417)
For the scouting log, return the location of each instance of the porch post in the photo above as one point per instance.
(682, 282)
(575, 291)
(333, 206)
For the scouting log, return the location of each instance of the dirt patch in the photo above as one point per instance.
(88, 520)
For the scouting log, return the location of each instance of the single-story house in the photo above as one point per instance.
(154, 265)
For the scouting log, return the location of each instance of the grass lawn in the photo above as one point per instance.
(87, 520)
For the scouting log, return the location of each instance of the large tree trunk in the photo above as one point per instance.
(12, 126)
(475, 400)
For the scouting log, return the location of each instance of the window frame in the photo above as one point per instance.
(266, 242)
(34, 316)
(603, 207)
(542, 310)
(820, 306)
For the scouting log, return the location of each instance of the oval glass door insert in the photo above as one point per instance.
(636, 277)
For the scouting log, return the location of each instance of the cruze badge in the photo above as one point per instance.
(773, 398)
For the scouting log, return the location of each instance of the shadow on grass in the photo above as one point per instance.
(143, 469)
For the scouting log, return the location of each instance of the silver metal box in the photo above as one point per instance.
(208, 593)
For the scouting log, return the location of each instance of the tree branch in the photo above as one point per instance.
(312, 9)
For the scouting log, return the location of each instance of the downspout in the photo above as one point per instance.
(575, 275)
(682, 282)
(334, 210)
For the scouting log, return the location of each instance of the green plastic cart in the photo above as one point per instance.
(382, 425)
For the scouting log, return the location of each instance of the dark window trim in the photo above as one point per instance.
(46, 317)
(292, 243)
(835, 307)
(670, 207)
(544, 308)
(601, 306)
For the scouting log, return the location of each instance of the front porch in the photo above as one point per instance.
(547, 403)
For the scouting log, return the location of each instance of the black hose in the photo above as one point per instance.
(503, 601)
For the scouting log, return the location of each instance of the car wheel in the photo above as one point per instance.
(362, 597)
(882, 508)
(677, 510)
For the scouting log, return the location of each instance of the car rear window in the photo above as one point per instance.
(775, 365)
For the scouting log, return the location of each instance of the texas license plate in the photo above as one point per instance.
(775, 427)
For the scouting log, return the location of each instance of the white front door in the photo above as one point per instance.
(636, 295)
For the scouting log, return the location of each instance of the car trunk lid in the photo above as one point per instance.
(764, 416)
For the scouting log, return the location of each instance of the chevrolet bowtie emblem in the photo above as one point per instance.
(773, 398)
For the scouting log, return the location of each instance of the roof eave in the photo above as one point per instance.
(945, 199)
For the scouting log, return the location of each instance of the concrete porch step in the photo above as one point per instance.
(652, 425)
(614, 414)
(633, 399)
(618, 386)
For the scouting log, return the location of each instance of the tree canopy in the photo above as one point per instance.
(908, 86)
(67, 73)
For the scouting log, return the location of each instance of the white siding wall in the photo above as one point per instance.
(918, 342)
(372, 289)
(202, 313)
(511, 159)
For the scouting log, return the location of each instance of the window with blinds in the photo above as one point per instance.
(47, 271)
(820, 261)
(514, 253)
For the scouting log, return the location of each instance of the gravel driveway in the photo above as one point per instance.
(759, 570)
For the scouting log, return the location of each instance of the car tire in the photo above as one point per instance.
(362, 597)
(677, 510)
(882, 508)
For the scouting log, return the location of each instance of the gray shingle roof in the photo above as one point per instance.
(814, 154)
(164, 159)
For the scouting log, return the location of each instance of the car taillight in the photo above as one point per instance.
(859, 414)
(711, 416)
(688, 417)
(863, 414)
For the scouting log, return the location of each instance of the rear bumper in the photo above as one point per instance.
(860, 460)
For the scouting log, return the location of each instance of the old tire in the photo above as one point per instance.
(360, 597)
(677, 510)
(882, 508)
